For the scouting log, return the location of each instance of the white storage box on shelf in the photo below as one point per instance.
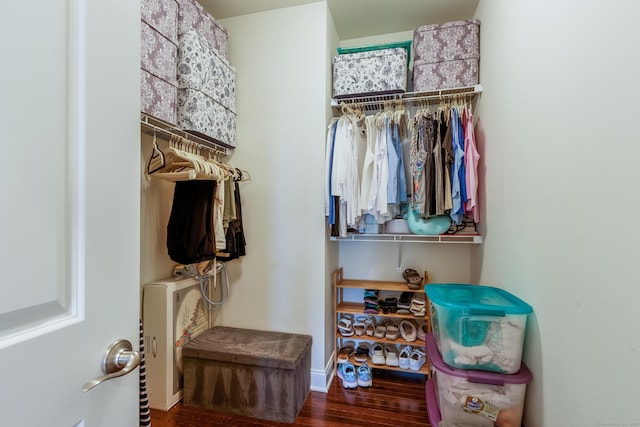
(397, 226)
(201, 68)
(372, 72)
(478, 327)
(206, 90)
(473, 398)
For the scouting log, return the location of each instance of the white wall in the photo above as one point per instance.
(332, 249)
(559, 151)
(282, 118)
(446, 263)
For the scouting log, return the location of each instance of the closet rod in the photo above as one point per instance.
(164, 130)
(408, 98)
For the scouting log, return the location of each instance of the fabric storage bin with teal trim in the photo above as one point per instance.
(406, 45)
(478, 327)
(366, 73)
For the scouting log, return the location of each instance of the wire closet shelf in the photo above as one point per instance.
(377, 102)
(152, 126)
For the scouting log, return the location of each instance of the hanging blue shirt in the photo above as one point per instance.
(457, 209)
(392, 158)
(402, 177)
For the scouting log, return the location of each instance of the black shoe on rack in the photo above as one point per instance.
(392, 304)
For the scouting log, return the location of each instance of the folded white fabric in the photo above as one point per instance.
(476, 355)
(502, 347)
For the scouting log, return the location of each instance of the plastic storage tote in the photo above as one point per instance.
(474, 398)
(478, 327)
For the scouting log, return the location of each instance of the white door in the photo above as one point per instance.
(69, 209)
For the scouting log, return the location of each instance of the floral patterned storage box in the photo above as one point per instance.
(200, 67)
(158, 59)
(193, 16)
(158, 85)
(158, 97)
(162, 16)
(206, 90)
(446, 55)
(371, 72)
(445, 75)
(202, 115)
(158, 55)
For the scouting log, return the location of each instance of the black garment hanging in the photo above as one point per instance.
(190, 232)
(235, 231)
(430, 167)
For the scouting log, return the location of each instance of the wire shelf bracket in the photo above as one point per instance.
(151, 125)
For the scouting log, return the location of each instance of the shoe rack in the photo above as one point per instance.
(356, 309)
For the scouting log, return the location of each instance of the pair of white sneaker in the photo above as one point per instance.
(412, 358)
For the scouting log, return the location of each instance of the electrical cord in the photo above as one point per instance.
(205, 279)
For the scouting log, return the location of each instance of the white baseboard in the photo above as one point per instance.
(321, 380)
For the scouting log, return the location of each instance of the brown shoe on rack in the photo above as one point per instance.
(413, 279)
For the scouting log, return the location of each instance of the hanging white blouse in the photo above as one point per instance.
(383, 169)
(327, 166)
(369, 169)
(345, 181)
(218, 206)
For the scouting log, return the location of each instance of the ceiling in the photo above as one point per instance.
(360, 18)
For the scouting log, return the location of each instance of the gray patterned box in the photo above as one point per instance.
(201, 68)
(202, 115)
(371, 72)
(206, 90)
(446, 55)
(162, 16)
(158, 55)
(158, 97)
(444, 75)
(193, 16)
(158, 59)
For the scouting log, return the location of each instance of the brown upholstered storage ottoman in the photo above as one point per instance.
(259, 374)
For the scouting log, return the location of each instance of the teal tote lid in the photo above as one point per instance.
(476, 299)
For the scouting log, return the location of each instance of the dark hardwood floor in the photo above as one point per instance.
(395, 399)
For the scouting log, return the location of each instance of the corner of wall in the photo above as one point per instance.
(321, 379)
